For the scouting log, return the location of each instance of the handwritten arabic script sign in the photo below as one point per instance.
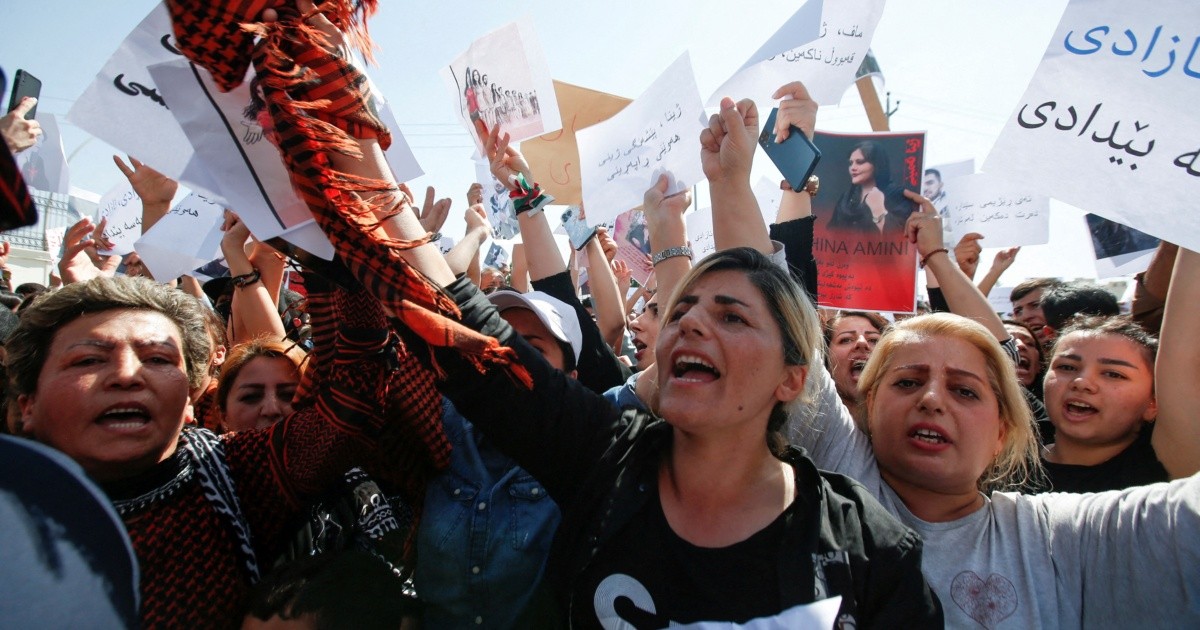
(554, 157)
(658, 133)
(1003, 212)
(1108, 122)
(824, 52)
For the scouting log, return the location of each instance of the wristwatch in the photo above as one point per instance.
(811, 185)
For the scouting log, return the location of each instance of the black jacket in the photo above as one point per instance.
(600, 465)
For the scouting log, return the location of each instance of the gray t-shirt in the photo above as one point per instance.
(1119, 559)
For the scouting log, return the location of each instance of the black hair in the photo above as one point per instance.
(1063, 302)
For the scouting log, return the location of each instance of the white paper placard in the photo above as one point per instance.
(121, 208)
(187, 237)
(657, 133)
(826, 63)
(1005, 213)
(1108, 122)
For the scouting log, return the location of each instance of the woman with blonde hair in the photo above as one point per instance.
(946, 427)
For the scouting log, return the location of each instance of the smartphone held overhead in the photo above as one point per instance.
(24, 84)
(796, 157)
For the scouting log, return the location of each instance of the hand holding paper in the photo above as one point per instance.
(76, 264)
(664, 215)
(505, 160)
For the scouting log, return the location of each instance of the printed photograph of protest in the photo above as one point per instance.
(863, 259)
(502, 79)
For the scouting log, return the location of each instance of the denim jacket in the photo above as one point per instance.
(484, 535)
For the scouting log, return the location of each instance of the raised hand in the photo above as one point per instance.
(1005, 258)
(799, 110)
(152, 186)
(967, 253)
(505, 160)
(727, 145)
(662, 210)
(20, 134)
(924, 227)
(434, 213)
(475, 194)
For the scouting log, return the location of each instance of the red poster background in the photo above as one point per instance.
(860, 266)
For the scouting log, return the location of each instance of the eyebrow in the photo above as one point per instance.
(1102, 360)
(921, 367)
(143, 343)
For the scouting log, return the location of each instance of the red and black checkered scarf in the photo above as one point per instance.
(314, 102)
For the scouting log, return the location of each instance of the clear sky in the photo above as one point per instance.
(957, 68)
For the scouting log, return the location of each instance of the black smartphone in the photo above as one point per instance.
(795, 157)
(577, 229)
(24, 84)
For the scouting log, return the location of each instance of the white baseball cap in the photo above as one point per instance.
(558, 317)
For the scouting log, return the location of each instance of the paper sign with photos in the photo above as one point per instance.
(1108, 122)
(633, 244)
(659, 133)
(864, 261)
(188, 236)
(497, 203)
(503, 79)
(824, 53)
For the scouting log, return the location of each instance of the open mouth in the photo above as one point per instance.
(694, 369)
(857, 367)
(1077, 408)
(928, 436)
(124, 418)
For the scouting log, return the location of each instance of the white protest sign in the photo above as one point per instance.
(125, 108)
(497, 203)
(825, 60)
(185, 238)
(121, 209)
(44, 165)
(700, 233)
(503, 79)
(232, 148)
(657, 133)
(1006, 214)
(1108, 122)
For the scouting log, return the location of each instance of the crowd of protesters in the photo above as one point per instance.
(422, 441)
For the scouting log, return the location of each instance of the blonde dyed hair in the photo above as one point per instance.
(1018, 462)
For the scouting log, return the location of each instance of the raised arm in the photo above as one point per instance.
(727, 153)
(155, 189)
(606, 294)
(1176, 438)
(924, 228)
(253, 312)
(1003, 260)
(466, 251)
